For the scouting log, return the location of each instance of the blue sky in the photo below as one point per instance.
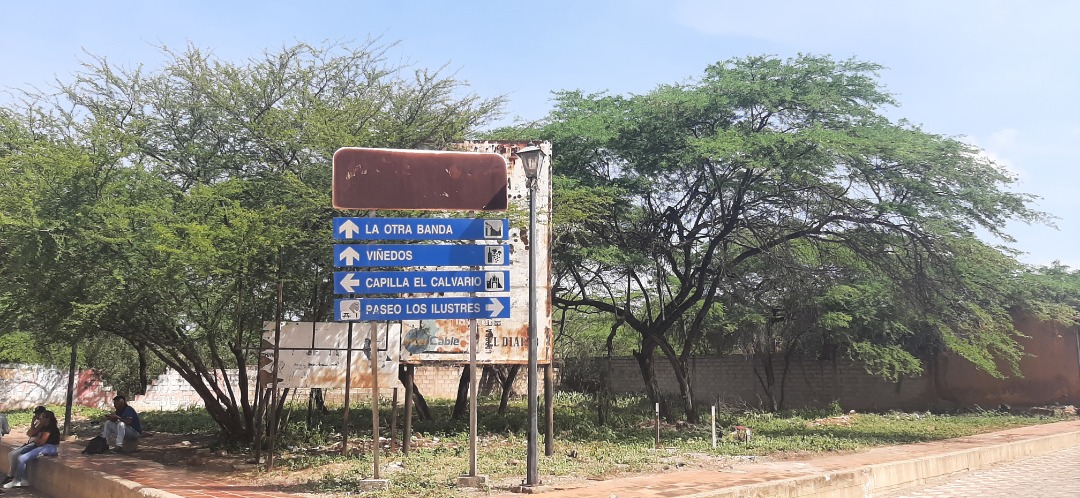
(1002, 74)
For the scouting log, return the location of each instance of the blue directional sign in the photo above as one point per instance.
(415, 282)
(431, 308)
(420, 229)
(393, 255)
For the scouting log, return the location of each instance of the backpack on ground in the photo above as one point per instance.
(96, 446)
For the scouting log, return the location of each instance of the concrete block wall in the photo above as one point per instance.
(730, 380)
(1050, 374)
(170, 391)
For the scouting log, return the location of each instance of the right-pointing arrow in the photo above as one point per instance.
(495, 307)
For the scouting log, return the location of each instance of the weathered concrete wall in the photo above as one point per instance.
(25, 386)
(1051, 374)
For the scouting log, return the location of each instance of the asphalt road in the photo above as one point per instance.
(1053, 475)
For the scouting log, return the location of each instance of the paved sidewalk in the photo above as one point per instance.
(74, 475)
(875, 472)
(1053, 475)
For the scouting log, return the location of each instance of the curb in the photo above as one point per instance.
(50, 476)
(885, 478)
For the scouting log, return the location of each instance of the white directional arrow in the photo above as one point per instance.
(348, 282)
(349, 229)
(349, 255)
(495, 307)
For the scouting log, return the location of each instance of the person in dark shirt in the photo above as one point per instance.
(47, 441)
(36, 424)
(121, 425)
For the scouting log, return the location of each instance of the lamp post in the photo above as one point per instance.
(531, 158)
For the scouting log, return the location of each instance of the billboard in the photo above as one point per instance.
(314, 354)
(501, 340)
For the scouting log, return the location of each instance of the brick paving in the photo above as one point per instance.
(176, 480)
(1053, 475)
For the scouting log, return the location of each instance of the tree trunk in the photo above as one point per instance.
(144, 377)
(603, 396)
(422, 408)
(682, 376)
(768, 380)
(652, 386)
(507, 383)
(461, 405)
(489, 378)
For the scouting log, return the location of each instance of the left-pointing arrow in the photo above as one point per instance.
(349, 283)
(495, 307)
(349, 229)
(349, 255)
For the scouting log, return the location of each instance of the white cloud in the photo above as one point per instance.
(999, 147)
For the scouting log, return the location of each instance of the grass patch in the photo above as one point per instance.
(22, 418)
(583, 449)
(586, 450)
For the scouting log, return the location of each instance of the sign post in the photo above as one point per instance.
(372, 179)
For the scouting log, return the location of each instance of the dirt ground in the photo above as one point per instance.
(190, 451)
(194, 453)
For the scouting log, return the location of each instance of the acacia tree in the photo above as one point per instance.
(757, 154)
(207, 183)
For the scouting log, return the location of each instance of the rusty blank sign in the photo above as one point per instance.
(415, 179)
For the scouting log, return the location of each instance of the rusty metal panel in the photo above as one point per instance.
(503, 341)
(419, 180)
(314, 355)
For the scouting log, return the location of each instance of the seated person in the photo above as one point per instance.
(13, 457)
(47, 442)
(121, 425)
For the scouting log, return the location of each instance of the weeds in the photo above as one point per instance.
(583, 449)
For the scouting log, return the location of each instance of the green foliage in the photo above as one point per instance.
(760, 187)
(194, 189)
(22, 418)
(27, 348)
(1050, 293)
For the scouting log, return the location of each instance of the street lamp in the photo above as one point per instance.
(531, 158)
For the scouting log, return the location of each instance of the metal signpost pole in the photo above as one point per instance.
(530, 161)
(276, 371)
(474, 332)
(406, 437)
(374, 352)
(348, 389)
(532, 477)
(549, 409)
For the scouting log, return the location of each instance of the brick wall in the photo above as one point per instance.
(25, 386)
(1051, 373)
(730, 380)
